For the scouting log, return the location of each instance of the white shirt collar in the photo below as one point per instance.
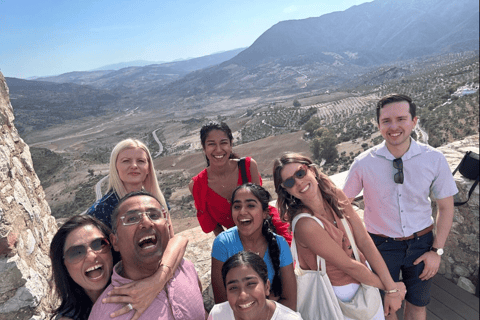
(412, 151)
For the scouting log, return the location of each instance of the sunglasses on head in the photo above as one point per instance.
(75, 254)
(290, 181)
(398, 164)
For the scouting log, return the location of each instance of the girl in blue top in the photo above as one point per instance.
(254, 232)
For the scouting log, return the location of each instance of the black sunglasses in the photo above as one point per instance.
(75, 254)
(290, 181)
(398, 164)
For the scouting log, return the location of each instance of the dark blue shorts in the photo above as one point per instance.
(399, 256)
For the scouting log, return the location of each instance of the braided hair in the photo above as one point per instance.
(268, 231)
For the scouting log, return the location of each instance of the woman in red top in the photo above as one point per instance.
(215, 184)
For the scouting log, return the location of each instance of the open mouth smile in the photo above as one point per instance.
(247, 305)
(95, 272)
(245, 221)
(148, 242)
(305, 189)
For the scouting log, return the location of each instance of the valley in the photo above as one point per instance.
(303, 85)
(263, 131)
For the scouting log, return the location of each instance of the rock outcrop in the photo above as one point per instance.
(26, 226)
(460, 263)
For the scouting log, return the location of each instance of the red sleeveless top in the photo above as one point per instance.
(213, 209)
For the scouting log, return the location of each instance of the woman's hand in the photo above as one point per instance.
(402, 289)
(393, 301)
(140, 294)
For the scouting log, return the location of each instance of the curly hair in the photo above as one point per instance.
(268, 231)
(288, 205)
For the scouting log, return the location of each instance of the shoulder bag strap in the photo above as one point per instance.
(243, 170)
(320, 261)
(456, 204)
(350, 237)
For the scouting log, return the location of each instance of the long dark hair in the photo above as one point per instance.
(245, 258)
(75, 303)
(214, 125)
(268, 231)
(288, 205)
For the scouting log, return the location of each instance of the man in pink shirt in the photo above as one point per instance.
(141, 234)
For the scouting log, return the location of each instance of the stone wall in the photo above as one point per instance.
(460, 262)
(26, 226)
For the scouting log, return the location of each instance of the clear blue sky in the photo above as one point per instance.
(49, 37)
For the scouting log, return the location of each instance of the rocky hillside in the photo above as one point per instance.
(372, 33)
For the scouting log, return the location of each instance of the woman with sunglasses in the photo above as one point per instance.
(213, 187)
(131, 169)
(254, 232)
(302, 188)
(81, 265)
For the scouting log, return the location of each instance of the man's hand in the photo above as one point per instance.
(432, 263)
(140, 294)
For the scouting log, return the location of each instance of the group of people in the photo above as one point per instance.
(123, 260)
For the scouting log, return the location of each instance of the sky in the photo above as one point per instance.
(51, 37)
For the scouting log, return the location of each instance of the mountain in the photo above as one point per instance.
(371, 33)
(146, 77)
(368, 44)
(40, 104)
(121, 65)
(322, 53)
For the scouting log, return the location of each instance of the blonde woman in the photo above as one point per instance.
(131, 169)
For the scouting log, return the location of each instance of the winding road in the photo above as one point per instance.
(160, 145)
(421, 134)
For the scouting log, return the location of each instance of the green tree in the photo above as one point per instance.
(296, 103)
(321, 132)
(311, 125)
(315, 147)
(324, 147)
(329, 151)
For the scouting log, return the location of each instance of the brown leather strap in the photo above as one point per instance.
(414, 235)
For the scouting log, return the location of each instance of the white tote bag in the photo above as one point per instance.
(367, 300)
(315, 297)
